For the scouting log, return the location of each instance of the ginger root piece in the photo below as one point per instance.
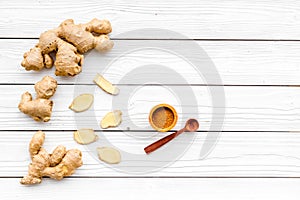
(39, 109)
(70, 162)
(57, 165)
(109, 155)
(57, 155)
(106, 85)
(36, 143)
(38, 164)
(82, 102)
(69, 41)
(103, 43)
(81, 35)
(111, 119)
(68, 62)
(46, 87)
(85, 136)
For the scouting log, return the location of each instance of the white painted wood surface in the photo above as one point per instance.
(155, 188)
(251, 108)
(242, 19)
(237, 154)
(238, 62)
(257, 155)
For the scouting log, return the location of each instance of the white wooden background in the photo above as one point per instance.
(255, 46)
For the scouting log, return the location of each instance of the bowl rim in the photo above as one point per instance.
(161, 106)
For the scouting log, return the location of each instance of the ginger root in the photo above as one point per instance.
(69, 41)
(36, 143)
(39, 109)
(57, 165)
(46, 87)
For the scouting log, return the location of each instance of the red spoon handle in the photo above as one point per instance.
(152, 147)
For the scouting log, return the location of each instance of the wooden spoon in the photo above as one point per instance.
(190, 126)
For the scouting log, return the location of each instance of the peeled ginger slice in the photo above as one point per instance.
(85, 136)
(109, 155)
(111, 119)
(106, 85)
(82, 102)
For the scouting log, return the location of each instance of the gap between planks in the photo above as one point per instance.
(170, 131)
(165, 177)
(202, 85)
(171, 39)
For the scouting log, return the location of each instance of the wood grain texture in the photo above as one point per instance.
(154, 188)
(237, 154)
(196, 19)
(238, 63)
(254, 44)
(247, 108)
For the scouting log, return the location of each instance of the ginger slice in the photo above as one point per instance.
(82, 102)
(85, 136)
(109, 155)
(111, 119)
(106, 85)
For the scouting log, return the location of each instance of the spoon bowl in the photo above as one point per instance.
(192, 125)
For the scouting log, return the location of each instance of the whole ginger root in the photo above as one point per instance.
(69, 41)
(39, 109)
(46, 87)
(57, 165)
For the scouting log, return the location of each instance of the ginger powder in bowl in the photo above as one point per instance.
(163, 117)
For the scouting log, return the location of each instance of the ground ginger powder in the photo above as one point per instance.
(163, 117)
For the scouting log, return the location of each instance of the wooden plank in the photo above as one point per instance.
(237, 154)
(238, 63)
(196, 19)
(155, 188)
(247, 108)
